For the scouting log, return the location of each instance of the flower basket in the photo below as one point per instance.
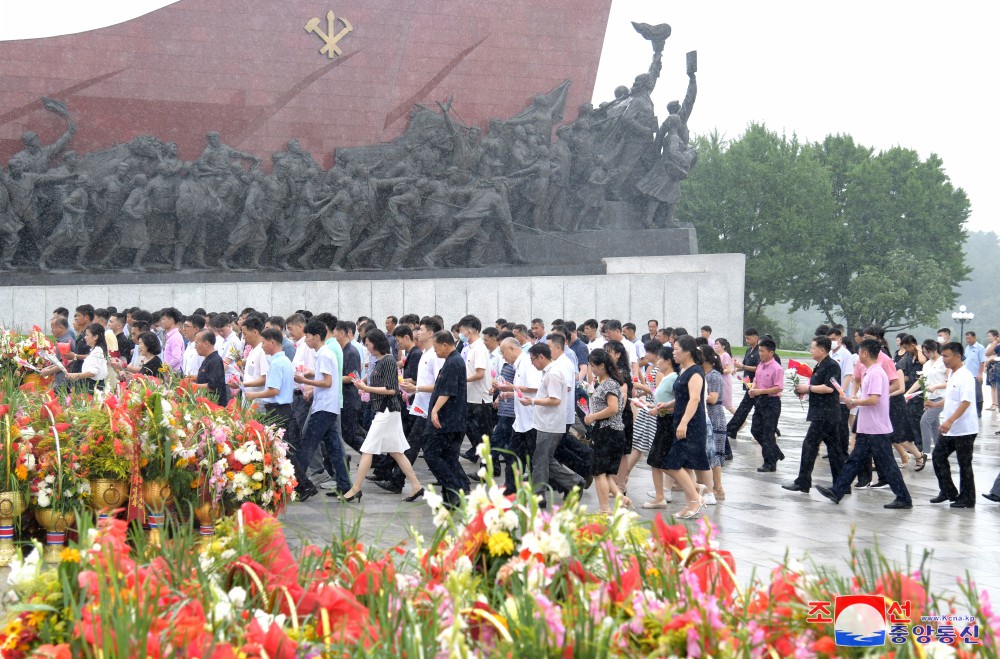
(55, 525)
(11, 507)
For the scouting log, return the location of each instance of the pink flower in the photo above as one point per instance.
(693, 642)
(553, 618)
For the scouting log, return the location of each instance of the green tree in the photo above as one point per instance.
(761, 195)
(895, 255)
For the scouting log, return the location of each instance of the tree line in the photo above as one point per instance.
(865, 237)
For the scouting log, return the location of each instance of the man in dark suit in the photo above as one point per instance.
(652, 326)
(212, 373)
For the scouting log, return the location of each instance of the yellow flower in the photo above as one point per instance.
(22, 472)
(165, 368)
(500, 544)
(69, 555)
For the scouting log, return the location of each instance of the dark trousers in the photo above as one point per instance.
(521, 448)
(740, 417)
(914, 412)
(844, 430)
(962, 447)
(322, 429)
(575, 456)
(477, 422)
(767, 410)
(500, 441)
(441, 453)
(293, 434)
(820, 432)
(879, 448)
(416, 438)
(282, 414)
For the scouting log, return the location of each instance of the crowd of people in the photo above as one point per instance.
(563, 405)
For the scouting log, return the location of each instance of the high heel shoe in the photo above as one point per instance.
(413, 497)
(689, 514)
(350, 499)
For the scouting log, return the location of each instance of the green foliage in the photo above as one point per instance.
(864, 237)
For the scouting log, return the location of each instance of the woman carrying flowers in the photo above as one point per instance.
(94, 371)
(386, 433)
(608, 440)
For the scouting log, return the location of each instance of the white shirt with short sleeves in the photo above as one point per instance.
(326, 399)
(526, 376)
(478, 357)
(961, 386)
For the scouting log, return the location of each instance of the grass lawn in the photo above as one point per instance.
(739, 351)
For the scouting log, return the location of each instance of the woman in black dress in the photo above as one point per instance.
(690, 425)
(608, 439)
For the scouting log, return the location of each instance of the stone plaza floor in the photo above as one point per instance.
(759, 520)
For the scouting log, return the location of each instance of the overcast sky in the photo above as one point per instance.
(915, 74)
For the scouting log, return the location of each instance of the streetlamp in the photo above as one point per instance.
(963, 317)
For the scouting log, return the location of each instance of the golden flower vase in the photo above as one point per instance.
(55, 525)
(11, 507)
(206, 514)
(106, 495)
(156, 494)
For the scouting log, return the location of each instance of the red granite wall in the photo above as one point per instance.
(249, 69)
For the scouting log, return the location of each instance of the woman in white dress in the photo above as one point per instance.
(94, 371)
(386, 433)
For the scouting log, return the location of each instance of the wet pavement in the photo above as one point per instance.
(759, 521)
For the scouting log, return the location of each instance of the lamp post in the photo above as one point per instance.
(963, 317)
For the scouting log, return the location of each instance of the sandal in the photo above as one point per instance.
(720, 494)
(688, 513)
(662, 503)
(921, 463)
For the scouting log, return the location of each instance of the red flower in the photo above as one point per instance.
(629, 580)
(800, 368)
(825, 645)
(60, 651)
(4, 409)
(669, 537)
(275, 642)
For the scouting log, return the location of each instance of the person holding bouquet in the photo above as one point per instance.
(94, 369)
(386, 432)
(608, 439)
(768, 383)
(823, 416)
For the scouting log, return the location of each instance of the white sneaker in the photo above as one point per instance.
(666, 496)
(709, 499)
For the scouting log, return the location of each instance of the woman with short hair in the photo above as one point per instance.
(386, 433)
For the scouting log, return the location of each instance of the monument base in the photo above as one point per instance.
(688, 290)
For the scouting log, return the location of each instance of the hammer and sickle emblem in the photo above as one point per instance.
(330, 49)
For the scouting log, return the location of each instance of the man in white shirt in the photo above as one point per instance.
(549, 422)
(303, 361)
(959, 427)
(322, 426)
(846, 360)
(613, 332)
(629, 331)
(478, 385)
(526, 381)
(570, 455)
(421, 389)
(192, 360)
(256, 366)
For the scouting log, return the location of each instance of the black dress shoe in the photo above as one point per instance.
(766, 468)
(389, 486)
(880, 485)
(306, 493)
(470, 456)
(963, 504)
(989, 496)
(795, 487)
(828, 493)
(898, 504)
(942, 498)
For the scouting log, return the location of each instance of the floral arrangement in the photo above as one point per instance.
(106, 435)
(22, 355)
(796, 371)
(17, 464)
(500, 578)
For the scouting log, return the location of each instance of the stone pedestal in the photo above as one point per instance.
(689, 290)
